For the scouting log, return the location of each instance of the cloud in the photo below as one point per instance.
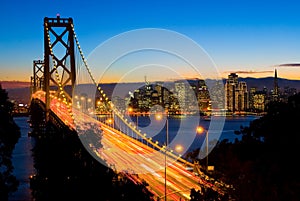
(289, 65)
(250, 72)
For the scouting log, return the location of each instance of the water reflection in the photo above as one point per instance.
(23, 162)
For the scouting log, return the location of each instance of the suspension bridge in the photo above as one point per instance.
(56, 89)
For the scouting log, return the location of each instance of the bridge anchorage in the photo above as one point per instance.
(124, 145)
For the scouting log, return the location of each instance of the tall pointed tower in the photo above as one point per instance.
(276, 88)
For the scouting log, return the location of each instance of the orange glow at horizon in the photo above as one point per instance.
(285, 73)
(291, 73)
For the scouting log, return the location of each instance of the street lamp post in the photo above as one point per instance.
(167, 140)
(159, 117)
(113, 119)
(200, 130)
(206, 132)
(137, 121)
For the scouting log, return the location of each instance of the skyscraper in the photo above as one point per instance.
(230, 88)
(181, 91)
(275, 94)
(236, 94)
(203, 96)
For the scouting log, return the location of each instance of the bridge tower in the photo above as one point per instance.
(59, 59)
(38, 75)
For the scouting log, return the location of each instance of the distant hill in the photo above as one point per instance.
(14, 84)
(268, 82)
(20, 91)
(17, 90)
(21, 95)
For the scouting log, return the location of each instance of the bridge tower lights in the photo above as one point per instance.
(59, 66)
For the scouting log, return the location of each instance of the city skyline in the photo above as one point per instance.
(250, 39)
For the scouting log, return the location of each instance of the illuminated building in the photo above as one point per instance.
(236, 94)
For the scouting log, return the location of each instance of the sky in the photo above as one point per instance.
(249, 37)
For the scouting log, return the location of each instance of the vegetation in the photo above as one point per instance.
(9, 135)
(263, 165)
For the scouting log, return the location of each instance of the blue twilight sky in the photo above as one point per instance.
(239, 35)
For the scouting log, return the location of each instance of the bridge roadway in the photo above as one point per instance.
(136, 160)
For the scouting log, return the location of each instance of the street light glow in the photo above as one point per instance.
(158, 117)
(179, 148)
(199, 129)
(109, 121)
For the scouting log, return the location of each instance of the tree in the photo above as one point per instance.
(9, 135)
(263, 165)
